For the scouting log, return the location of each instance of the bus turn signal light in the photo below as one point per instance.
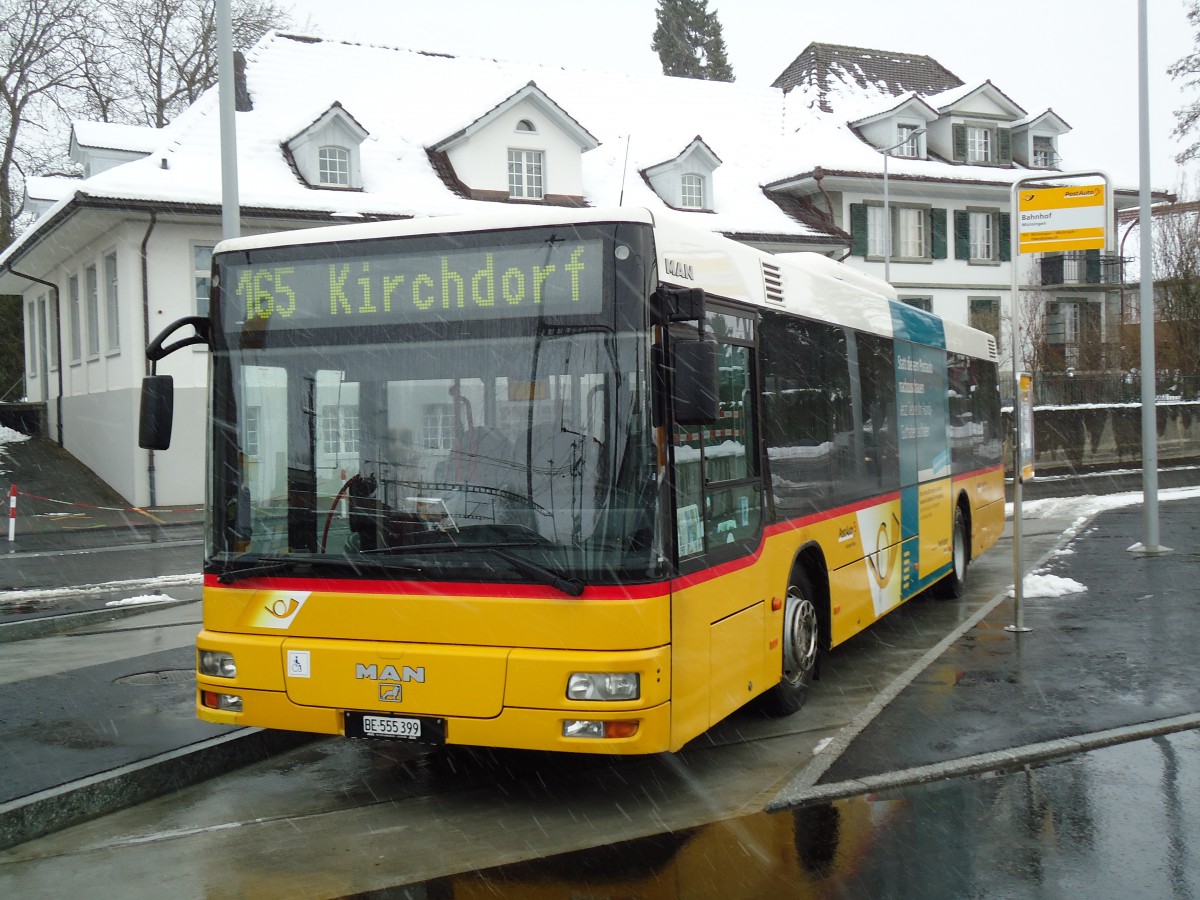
(585, 728)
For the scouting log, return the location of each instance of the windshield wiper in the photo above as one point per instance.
(543, 575)
(571, 586)
(231, 574)
(303, 568)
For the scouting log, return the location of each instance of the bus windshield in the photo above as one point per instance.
(472, 445)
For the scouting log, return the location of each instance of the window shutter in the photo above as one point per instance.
(1004, 146)
(1091, 262)
(960, 142)
(937, 227)
(962, 234)
(1005, 227)
(858, 229)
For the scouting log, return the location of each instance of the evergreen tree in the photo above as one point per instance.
(688, 41)
(1187, 70)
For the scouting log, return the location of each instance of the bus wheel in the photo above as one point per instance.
(801, 649)
(952, 586)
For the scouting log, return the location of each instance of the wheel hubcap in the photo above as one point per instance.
(799, 636)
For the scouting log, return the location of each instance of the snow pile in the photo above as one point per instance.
(8, 436)
(1040, 585)
(144, 600)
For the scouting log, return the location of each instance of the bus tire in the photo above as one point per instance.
(801, 648)
(953, 585)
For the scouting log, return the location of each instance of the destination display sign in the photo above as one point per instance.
(549, 278)
(1061, 218)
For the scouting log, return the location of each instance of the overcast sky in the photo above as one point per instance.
(1079, 57)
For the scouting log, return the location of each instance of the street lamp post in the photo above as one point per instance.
(887, 204)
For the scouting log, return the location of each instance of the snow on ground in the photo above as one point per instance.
(143, 600)
(8, 436)
(1080, 510)
(46, 594)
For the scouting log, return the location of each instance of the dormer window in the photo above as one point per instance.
(334, 166)
(525, 174)
(328, 153)
(979, 144)
(691, 191)
(909, 141)
(982, 144)
(686, 182)
(1043, 152)
(526, 127)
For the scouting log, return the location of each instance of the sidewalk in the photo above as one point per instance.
(1111, 659)
(61, 503)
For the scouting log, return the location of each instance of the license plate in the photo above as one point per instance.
(421, 730)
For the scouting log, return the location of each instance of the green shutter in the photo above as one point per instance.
(962, 234)
(1005, 237)
(1091, 263)
(1004, 146)
(858, 229)
(960, 142)
(937, 227)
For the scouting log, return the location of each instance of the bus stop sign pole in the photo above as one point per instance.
(1067, 216)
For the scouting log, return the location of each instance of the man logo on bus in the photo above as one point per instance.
(882, 562)
(390, 693)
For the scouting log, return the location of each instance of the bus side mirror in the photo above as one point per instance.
(695, 385)
(157, 412)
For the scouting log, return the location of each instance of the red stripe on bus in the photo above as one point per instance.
(441, 588)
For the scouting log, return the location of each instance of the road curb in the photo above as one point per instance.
(43, 626)
(70, 804)
(804, 785)
(997, 760)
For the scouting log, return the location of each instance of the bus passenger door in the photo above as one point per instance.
(720, 600)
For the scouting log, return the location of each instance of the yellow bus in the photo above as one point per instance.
(577, 480)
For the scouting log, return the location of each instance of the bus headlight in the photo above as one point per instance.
(217, 664)
(604, 686)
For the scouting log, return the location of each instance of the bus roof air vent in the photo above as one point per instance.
(772, 282)
(993, 351)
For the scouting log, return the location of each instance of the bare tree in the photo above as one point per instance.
(161, 55)
(1177, 289)
(43, 44)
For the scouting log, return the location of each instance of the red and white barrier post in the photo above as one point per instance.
(12, 513)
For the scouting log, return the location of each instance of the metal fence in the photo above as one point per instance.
(1075, 390)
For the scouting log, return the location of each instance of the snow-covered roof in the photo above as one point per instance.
(411, 102)
(113, 136)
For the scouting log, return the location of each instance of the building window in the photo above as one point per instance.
(333, 166)
(52, 338)
(691, 192)
(437, 426)
(925, 303)
(910, 232)
(526, 127)
(525, 174)
(982, 238)
(76, 320)
(984, 313)
(112, 318)
(201, 276)
(92, 310)
(32, 331)
(979, 144)
(1043, 152)
(251, 426)
(339, 429)
(909, 143)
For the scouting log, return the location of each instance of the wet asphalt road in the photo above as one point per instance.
(1115, 822)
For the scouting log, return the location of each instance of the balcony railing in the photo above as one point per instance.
(1059, 269)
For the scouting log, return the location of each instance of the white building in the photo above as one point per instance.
(329, 131)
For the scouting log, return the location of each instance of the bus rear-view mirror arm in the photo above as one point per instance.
(157, 412)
